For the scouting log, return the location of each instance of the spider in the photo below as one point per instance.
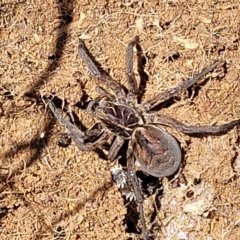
(120, 115)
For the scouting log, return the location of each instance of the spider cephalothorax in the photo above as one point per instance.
(119, 114)
(119, 118)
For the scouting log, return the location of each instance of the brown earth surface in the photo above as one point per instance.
(50, 192)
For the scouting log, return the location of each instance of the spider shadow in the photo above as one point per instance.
(36, 144)
(65, 15)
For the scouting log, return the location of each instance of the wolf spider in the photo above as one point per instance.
(121, 116)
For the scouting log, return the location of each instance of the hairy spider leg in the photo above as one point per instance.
(136, 187)
(106, 80)
(115, 147)
(189, 129)
(80, 138)
(132, 83)
(133, 91)
(102, 92)
(161, 97)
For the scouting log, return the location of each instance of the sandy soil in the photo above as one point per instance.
(50, 192)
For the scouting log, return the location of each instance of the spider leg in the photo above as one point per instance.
(137, 190)
(114, 149)
(161, 97)
(78, 136)
(133, 88)
(107, 80)
(102, 92)
(71, 114)
(189, 129)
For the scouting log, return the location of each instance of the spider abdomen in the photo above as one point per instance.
(156, 150)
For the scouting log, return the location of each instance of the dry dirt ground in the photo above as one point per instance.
(50, 192)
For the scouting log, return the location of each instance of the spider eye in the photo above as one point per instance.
(156, 150)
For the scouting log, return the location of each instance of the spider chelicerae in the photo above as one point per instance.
(122, 118)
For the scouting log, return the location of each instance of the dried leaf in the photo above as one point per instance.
(140, 23)
(187, 43)
(82, 16)
(205, 20)
(85, 36)
(36, 37)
